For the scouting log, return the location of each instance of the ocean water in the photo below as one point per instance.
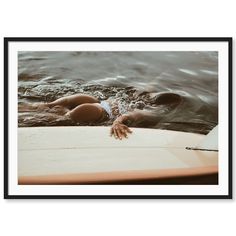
(148, 81)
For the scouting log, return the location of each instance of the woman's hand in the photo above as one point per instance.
(120, 130)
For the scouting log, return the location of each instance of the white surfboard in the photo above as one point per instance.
(85, 155)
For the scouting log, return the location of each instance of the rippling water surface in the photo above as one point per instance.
(137, 80)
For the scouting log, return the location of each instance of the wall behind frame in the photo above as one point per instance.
(122, 18)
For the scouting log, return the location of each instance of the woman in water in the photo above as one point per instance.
(81, 108)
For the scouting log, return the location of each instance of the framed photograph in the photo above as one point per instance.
(118, 118)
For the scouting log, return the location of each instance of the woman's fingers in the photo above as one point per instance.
(120, 131)
(111, 131)
(128, 130)
(125, 133)
(116, 133)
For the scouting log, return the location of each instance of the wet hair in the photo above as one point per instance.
(168, 99)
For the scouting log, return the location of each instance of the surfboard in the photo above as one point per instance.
(88, 155)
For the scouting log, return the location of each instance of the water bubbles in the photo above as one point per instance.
(131, 106)
(99, 95)
(122, 95)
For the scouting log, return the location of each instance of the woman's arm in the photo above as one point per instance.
(138, 118)
(119, 129)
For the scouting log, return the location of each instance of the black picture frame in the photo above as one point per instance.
(8, 40)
